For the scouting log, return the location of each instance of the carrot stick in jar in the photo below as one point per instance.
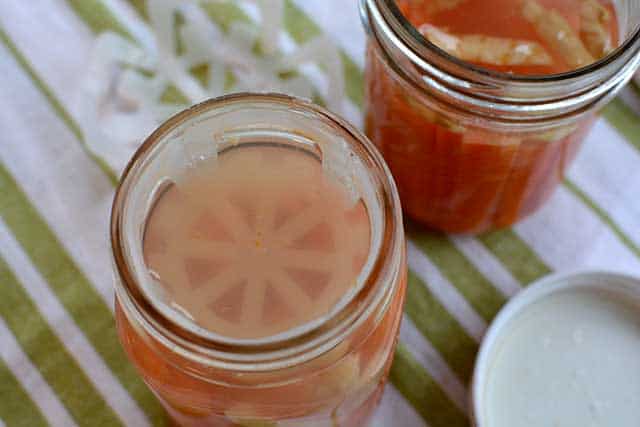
(543, 177)
(485, 164)
(526, 159)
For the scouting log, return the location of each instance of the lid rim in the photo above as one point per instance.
(540, 289)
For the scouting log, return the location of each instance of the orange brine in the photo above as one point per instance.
(524, 37)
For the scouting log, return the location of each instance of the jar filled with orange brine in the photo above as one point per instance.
(260, 265)
(479, 106)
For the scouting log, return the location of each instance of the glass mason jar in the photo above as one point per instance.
(330, 371)
(473, 149)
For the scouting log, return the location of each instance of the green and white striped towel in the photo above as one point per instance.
(60, 361)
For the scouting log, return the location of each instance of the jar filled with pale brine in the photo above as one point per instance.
(479, 106)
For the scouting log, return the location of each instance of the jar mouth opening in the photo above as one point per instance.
(492, 99)
(303, 341)
(410, 33)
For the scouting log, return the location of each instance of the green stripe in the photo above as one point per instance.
(480, 292)
(16, 407)
(521, 261)
(72, 288)
(225, 13)
(603, 217)
(140, 6)
(50, 356)
(302, 28)
(634, 86)
(440, 328)
(423, 393)
(625, 120)
(98, 17)
(55, 104)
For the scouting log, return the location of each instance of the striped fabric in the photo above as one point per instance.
(60, 361)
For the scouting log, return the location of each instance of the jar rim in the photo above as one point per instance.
(258, 354)
(506, 99)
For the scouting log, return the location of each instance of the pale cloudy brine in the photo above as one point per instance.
(257, 242)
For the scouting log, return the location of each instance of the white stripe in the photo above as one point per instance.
(607, 170)
(446, 293)
(56, 43)
(568, 235)
(488, 265)
(394, 410)
(433, 362)
(68, 332)
(341, 20)
(63, 60)
(251, 9)
(65, 186)
(31, 380)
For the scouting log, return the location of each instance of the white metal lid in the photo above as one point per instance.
(565, 352)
